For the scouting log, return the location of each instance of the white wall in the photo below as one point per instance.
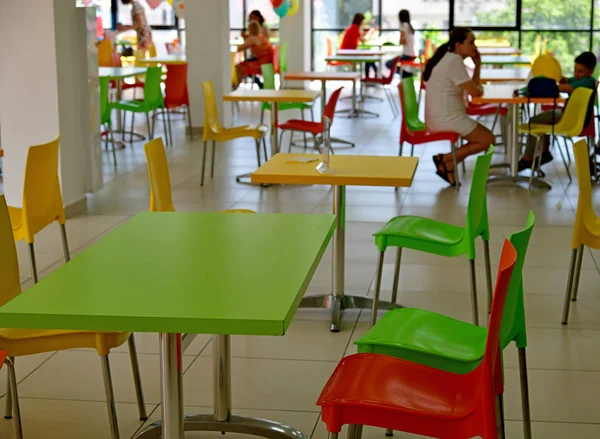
(295, 31)
(207, 51)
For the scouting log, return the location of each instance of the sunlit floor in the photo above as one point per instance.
(280, 378)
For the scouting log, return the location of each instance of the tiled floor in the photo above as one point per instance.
(280, 378)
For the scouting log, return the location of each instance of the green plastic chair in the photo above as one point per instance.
(411, 106)
(442, 239)
(444, 343)
(152, 102)
(283, 67)
(268, 74)
(105, 116)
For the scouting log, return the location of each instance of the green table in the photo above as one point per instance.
(173, 273)
(506, 60)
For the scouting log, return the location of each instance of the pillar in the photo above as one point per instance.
(44, 92)
(208, 56)
(296, 32)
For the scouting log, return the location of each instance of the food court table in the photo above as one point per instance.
(186, 273)
(499, 50)
(504, 94)
(348, 170)
(506, 60)
(323, 77)
(165, 59)
(504, 75)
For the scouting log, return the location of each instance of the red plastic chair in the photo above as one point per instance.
(176, 94)
(385, 82)
(329, 43)
(314, 128)
(388, 392)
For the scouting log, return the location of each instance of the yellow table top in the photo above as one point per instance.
(348, 170)
(285, 95)
(322, 76)
(166, 59)
(500, 93)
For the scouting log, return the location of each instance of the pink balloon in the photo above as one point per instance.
(154, 3)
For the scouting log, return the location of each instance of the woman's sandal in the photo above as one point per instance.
(438, 160)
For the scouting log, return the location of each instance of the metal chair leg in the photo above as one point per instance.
(377, 289)
(400, 149)
(524, 394)
(474, 292)
(396, 274)
(34, 272)
(264, 144)
(304, 133)
(8, 404)
(488, 273)
(500, 415)
(65, 242)
(257, 144)
(562, 156)
(212, 162)
(535, 160)
(412, 150)
(570, 278)
(14, 397)
(170, 142)
(137, 378)
(112, 142)
(150, 128)
(455, 168)
(132, 126)
(203, 162)
(189, 115)
(110, 398)
(164, 125)
(333, 435)
(575, 288)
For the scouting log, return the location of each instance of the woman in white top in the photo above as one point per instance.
(447, 82)
(407, 41)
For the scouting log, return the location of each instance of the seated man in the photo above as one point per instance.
(582, 77)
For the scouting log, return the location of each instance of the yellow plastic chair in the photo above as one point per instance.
(586, 231)
(42, 200)
(20, 342)
(160, 180)
(548, 66)
(214, 131)
(545, 46)
(537, 46)
(105, 50)
(570, 125)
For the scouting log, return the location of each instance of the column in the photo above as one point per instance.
(296, 32)
(44, 92)
(207, 51)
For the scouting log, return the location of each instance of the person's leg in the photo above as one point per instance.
(406, 73)
(478, 140)
(545, 118)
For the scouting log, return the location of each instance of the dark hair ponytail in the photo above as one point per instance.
(261, 19)
(457, 35)
(404, 17)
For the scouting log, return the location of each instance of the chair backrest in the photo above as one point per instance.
(268, 74)
(508, 259)
(428, 49)
(176, 87)
(283, 67)
(105, 50)
(42, 200)
(332, 103)
(211, 116)
(9, 263)
(388, 79)
(329, 43)
(572, 121)
(537, 46)
(409, 105)
(276, 63)
(548, 66)
(153, 97)
(513, 321)
(104, 107)
(477, 213)
(585, 210)
(158, 174)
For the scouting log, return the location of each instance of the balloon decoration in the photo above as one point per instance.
(154, 3)
(294, 6)
(276, 3)
(283, 9)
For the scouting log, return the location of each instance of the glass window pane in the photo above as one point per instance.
(103, 11)
(266, 9)
(424, 14)
(338, 14)
(161, 16)
(236, 14)
(511, 36)
(550, 14)
(565, 46)
(485, 13)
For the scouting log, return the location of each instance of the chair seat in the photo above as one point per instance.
(136, 106)
(254, 131)
(303, 125)
(418, 137)
(485, 110)
(19, 342)
(426, 338)
(542, 129)
(379, 81)
(394, 385)
(422, 229)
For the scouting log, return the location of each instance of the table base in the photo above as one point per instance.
(332, 140)
(235, 424)
(338, 304)
(537, 182)
(354, 114)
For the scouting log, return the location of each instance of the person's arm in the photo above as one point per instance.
(565, 88)
(402, 38)
(364, 37)
(472, 88)
(137, 23)
(477, 72)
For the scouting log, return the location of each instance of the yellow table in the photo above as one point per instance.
(519, 74)
(348, 170)
(275, 97)
(166, 59)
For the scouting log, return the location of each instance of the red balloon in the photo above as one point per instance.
(277, 3)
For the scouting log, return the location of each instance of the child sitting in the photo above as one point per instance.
(582, 77)
(261, 49)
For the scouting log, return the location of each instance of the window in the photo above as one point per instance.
(550, 14)
(424, 14)
(492, 13)
(565, 46)
(266, 9)
(338, 14)
(162, 15)
(236, 14)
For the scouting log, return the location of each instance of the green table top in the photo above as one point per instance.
(201, 273)
(353, 58)
(120, 72)
(506, 60)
